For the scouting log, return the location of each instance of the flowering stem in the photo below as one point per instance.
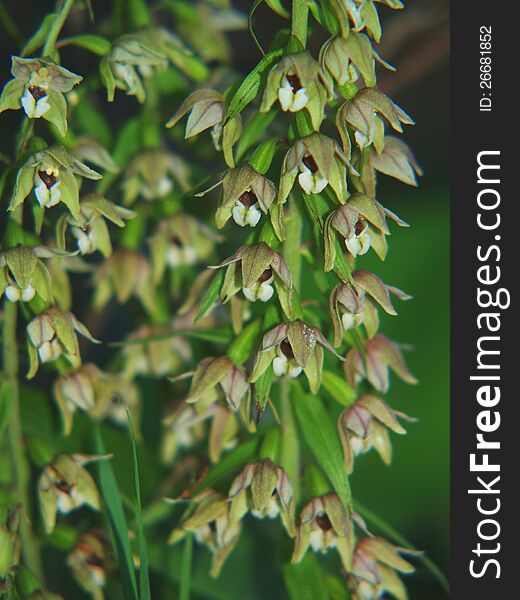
(56, 28)
(20, 465)
(299, 16)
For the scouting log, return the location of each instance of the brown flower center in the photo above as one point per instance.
(267, 274)
(37, 92)
(324, 522)
(48, 180)
(286, 349)
(359, 227)
(310, 163)
(93, 560)
(294, 82)
(248, 198)
(63, 486)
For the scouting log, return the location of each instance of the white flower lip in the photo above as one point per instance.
(291, 99)
(245, 215)
(46, 187)
(310, 178)
(34, 104)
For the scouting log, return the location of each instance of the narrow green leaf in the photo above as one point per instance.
(338, 388)
(93, 43)
(250, 87)
(322, 437)
(144, 577)
(253, 131)
(262, 157)
(242, 346)
(187, 556)
(211, 295)
(263, 388)
(116, 518)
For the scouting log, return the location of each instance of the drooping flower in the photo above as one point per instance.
(207, 110)
(131, 59)
(290, 348)
(246, 194)
(362, 224)
(101, 394)
(380, 355)
(187, 425)
(90, 228)
(395, 160)
(346, 59)
(364, 426)
(23, 274)
(181, 240)
(317, 161)
(218, 374)
(366, 114)
(38, 87)
(297, 83)
(51, 173)
(263, 489)
(53, 334)
(325, 524)
(154, 352)
(152, 174)
(210, 524)
(88, 562)
(350, 306)
(375, 569)
(123, 274)
(254, 270)
(66, 485)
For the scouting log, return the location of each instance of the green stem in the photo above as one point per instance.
(56, 28)
(299, 18)
(290, 450)
(21, 475)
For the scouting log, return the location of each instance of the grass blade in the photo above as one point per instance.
(144, 576)
(117, 520)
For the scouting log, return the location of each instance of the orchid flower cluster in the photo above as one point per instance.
(267, 368)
